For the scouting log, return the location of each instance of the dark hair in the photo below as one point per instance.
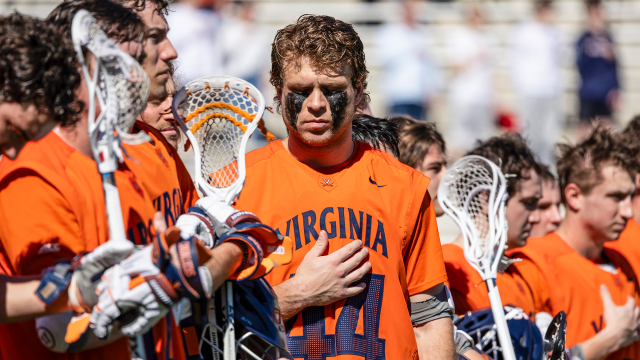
(511, 153)
(581, 164)
(37, 69)
(162, 6)
(376, 132)
(592, 3)
(416, 138)
(543, 4)
(327, 42)
(547, 176)
(118, 22)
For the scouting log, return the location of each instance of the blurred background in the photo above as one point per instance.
(475, 68)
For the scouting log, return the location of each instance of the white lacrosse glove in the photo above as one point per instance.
(121, 294)
(140, 290)
(196, 223)
(80, 276)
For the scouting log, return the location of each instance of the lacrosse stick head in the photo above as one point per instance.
(473, 193)
(118, 82)
(555, 337)
(525, 336)
(219, 114)
(259, 329)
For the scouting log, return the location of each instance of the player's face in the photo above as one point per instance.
(158, 114)
(318, 104)
(549, 210)
(18, 124)
(158, 50)
(434, 166)
(607, 208)
(522, 209)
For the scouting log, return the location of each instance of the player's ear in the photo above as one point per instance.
(359, 92)
(279, 93)
(574, 197)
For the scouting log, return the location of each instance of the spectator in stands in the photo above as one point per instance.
(245, 46)
(598, 68)
(410, 76)
(536, 73)
(471, 53)
(195, 27)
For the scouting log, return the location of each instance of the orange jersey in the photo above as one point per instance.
(629, 244)
(63, 213)
(371, 197)
(169, 186)
(470, 293)
(575, 283)
(52, 207)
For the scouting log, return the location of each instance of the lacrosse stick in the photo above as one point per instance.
(554, 338)
(121, 88)
(219, 114)
(473, 194)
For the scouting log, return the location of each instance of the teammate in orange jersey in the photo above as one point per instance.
(596, 182)
(549, 205)
(52, 207)
(511, 153)
(423, 148)
(332, 195)
(29, 111)
(628, 243)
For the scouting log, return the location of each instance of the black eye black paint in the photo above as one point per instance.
(338, 104)
(293, 107)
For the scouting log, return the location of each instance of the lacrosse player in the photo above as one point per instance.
(52, 204)
(597, 186)
(156, 175)
(30, 115)
(29, 112)
(524, 189)
(423, 148)
(627, 244)
(344, 203)
(549, 205)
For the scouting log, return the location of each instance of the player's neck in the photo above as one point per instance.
(320, 156)
(77, 136)
(636, 208)
(577, 235)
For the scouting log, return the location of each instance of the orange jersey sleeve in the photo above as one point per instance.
(423, 254)
(371, 197)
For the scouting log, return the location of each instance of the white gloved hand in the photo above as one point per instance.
(126, 294)
(195, 223)
(217, 210)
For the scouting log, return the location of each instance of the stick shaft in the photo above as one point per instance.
(114, 210)
(501, 323)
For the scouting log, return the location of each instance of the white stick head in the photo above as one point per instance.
(473, 193)
(118, 82)
(218, 114)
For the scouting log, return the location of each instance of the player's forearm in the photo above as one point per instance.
(225, 260)
(290, 299)
(601, 345)
(21, 303)
(435, 340)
